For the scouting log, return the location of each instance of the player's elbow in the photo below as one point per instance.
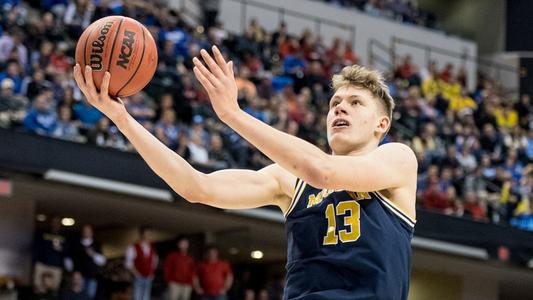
(321, 175)
(194, 191)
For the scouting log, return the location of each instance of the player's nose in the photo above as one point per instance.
(340, 108)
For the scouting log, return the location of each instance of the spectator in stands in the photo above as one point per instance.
(66, 129)
(87, 258)
(12, 107)
(434, 199)
(78, 17)
(138, 107)
(506, 116)
(474, 208)
(524, 108)
(48, 289)
(87, 114)
(14, 73)
(219, 156)
(462, 102)
(407, 70)
(41, 119)
(214, 277)
(36, 84)
(197, 149)
(167, 130)
(76, 288)
(142, 260)
(49, 252)
(179, 269)
(12, 41)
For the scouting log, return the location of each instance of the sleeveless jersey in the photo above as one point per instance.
(346, 245)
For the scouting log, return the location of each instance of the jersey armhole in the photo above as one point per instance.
(298, 189)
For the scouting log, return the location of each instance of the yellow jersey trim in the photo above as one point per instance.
(395, 207)
(297, 193)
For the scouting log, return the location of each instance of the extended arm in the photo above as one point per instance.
(388, 167)
(224, 189)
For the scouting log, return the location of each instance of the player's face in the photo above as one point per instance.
(353, 118)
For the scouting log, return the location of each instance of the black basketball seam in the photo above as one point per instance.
(113, 46)
(138, 65)
(85, 49)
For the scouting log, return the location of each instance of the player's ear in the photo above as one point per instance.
(383, 124)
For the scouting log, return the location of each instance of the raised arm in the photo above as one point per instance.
(225, 189)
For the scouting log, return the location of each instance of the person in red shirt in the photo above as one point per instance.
(214, 277)
(179, 271)
(474, 208)
(433, 199)
(141, 261)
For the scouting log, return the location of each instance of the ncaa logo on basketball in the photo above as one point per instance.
(126, 49)
(98, 47)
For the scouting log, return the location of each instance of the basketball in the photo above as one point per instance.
(122, 46)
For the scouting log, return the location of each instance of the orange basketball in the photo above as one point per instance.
(122, 46)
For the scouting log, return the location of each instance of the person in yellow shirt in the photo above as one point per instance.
(450, 89)
(461, 102)
(506, 116)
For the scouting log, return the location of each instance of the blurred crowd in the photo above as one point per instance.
(71, 266)
(474, 148)
(405, 11)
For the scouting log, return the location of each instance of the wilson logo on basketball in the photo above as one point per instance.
(126, 49)
(98, 47)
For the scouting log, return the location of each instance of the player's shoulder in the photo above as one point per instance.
(397, 154)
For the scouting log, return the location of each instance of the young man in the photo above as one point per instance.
(179, 269)
(346, 239)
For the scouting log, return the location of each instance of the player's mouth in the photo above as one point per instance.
(340, 123)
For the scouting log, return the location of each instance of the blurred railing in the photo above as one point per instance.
(283, 12)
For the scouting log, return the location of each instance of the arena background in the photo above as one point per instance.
(473, 236)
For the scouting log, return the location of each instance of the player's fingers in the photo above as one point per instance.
(220, 60)
(89, 79)
(203, 80)
(230, 68)
(78, 76)
(205, 72)
(104, 87)
(215, 69)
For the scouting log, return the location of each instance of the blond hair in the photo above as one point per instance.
(371, 80)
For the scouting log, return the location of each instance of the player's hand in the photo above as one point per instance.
(218, 81)
(113, 108)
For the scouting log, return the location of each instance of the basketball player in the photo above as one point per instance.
(350, 215)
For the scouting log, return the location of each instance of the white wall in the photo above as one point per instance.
(366, 28)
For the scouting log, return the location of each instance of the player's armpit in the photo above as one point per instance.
(389, 166)
(241, 189)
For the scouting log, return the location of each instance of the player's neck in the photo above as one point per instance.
(359, 149)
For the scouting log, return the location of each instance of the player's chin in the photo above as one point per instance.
(339, 140)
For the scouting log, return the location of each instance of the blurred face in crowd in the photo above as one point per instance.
(216, 142)
(145, 235)
(212, 254)
(87, 232)
(13, 69)
(41, 103)
(183, 245)
(355, 118)
(65, 114)
(169, 117)
(77, 281)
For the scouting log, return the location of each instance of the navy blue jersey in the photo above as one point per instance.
(346, 245)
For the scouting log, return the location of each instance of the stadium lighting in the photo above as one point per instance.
(256, 254)
(41, 218)
(68, 222)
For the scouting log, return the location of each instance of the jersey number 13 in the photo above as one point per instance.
(351, 212)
